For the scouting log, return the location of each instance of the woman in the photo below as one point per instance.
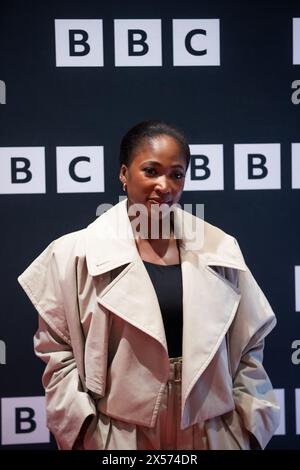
(152, 340)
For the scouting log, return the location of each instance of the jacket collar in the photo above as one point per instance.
(110, 242)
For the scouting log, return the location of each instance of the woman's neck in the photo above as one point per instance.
(159, 251)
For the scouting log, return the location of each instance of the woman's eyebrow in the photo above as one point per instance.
(154, 162)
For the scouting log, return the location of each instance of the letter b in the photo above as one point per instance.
(206, 169)
(79, 43)
(22, 170)
(202, 167)
(138, 43)
(24, 420)
(257, 166)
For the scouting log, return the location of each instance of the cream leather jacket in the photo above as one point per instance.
(102, 337)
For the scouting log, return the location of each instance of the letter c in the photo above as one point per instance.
(73, 175)
(188, 40)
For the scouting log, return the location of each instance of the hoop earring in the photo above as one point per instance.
(124, 186)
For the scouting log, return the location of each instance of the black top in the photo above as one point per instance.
(167, 282)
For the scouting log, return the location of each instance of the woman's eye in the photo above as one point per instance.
(150, 171)
(178, 176)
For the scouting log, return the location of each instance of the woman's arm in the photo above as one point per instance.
(68, 404)
(253, 393)
(69, 408)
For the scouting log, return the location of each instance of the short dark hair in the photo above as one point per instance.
(145, 131)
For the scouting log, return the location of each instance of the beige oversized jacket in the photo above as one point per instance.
(102, 337)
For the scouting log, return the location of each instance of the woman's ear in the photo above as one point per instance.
(123, 174)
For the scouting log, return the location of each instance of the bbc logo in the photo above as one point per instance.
(137, 42)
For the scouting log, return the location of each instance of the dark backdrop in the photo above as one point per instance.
(245, 100)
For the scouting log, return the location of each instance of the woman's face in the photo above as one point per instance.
(156, 173)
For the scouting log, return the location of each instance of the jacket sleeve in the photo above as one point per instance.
(68, 405)
(254, 397)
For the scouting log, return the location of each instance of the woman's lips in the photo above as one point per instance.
(159, 201)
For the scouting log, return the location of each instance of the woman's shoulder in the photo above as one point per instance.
(215, 245)
(66, 244)
(198, 223)
(216, 236)
(59, 254)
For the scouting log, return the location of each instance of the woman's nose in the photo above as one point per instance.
(163, 185)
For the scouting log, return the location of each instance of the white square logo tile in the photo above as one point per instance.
(296, 41)
(257, 166)
(138, 43)
(79, 43)
(296, 166)
(2, 352)
(22, 170)
(206, 169)
(297, 407)
(196, 42)
(297, 288)
(80, 169)
(280, 395)
(24, 420)
(2, 92)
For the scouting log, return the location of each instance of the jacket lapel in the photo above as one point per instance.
(132, 297)
(209, 306)
(210, 301)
